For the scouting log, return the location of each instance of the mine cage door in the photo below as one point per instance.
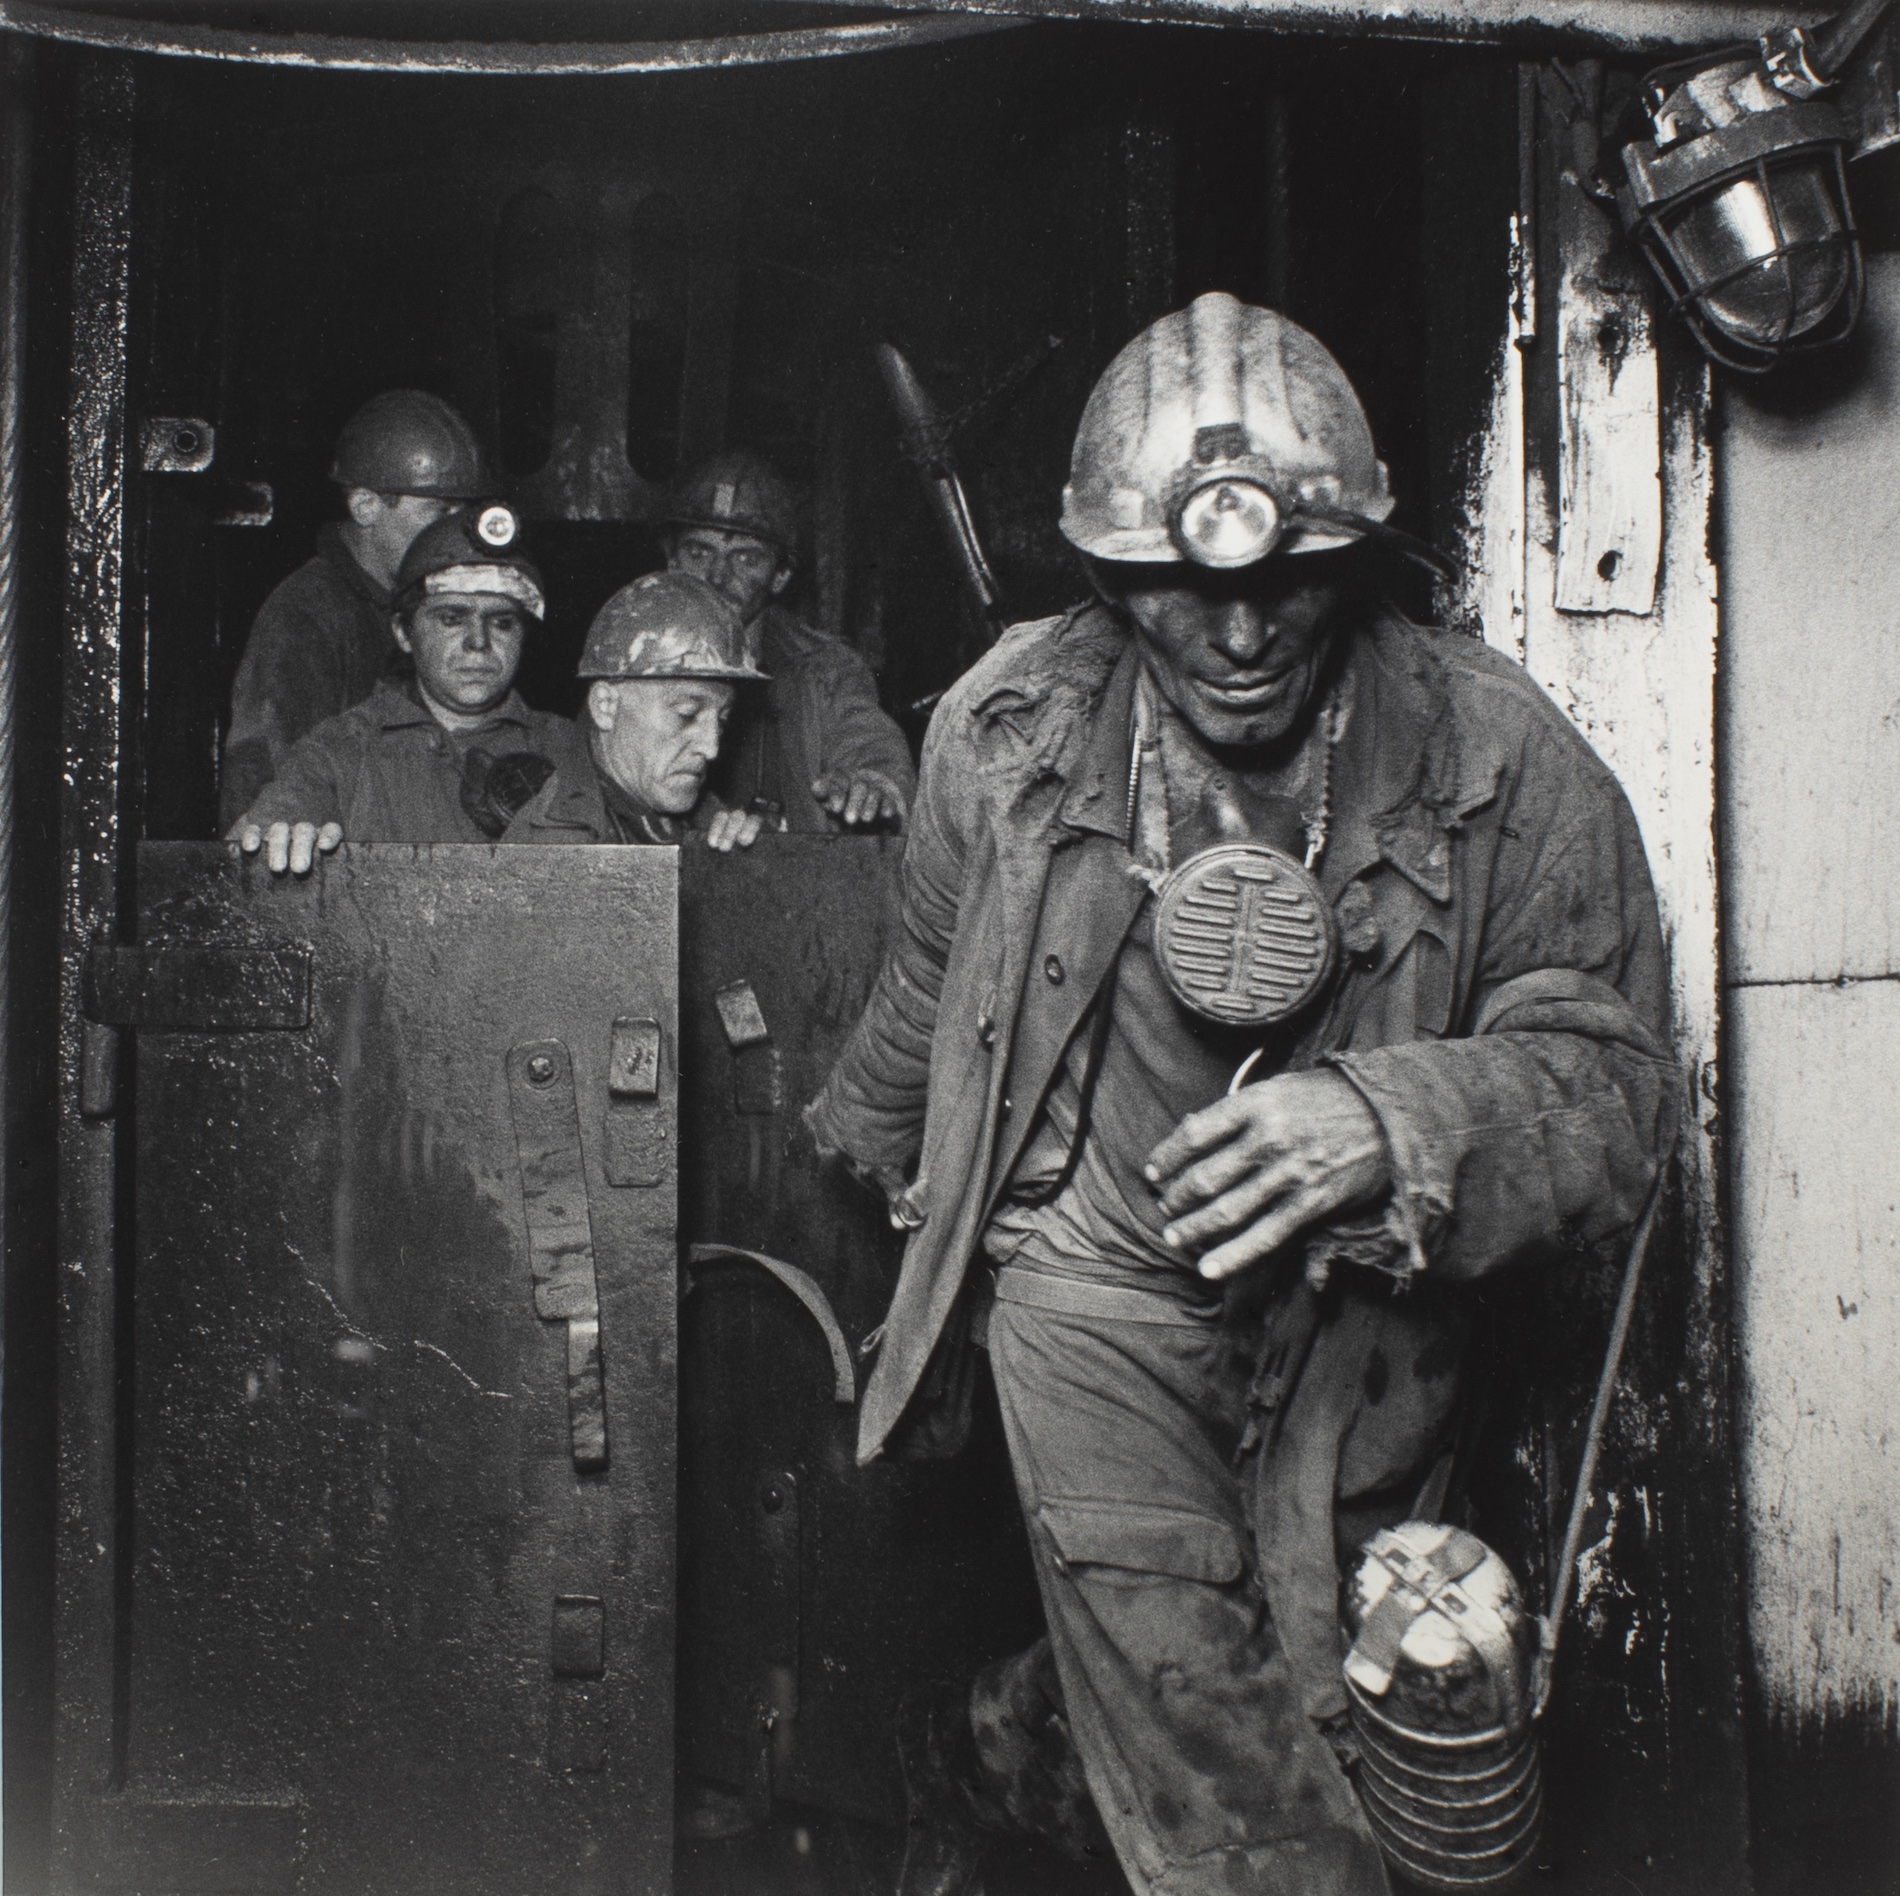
(367, 1565)
(395, 1583)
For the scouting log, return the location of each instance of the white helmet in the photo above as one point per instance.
(1220, 434)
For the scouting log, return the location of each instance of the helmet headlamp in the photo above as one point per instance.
(1228, 521)
(497, 526)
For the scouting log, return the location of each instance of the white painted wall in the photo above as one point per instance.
(1809, 506)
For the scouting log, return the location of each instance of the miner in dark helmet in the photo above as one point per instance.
(447, 755)
(813, 747)
(1273, 970)
(664, 664)
(322, 640)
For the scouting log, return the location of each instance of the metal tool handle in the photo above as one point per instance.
(926, 439)
(1562, 1582)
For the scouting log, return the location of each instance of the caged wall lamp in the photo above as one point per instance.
(1739, 197)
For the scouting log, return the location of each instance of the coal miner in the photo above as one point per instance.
(448, 755)
(321, 641)
(814, 746)
(1272, 969)
(664, 657)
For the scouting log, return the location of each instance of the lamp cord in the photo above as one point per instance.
(1837, 40)
(1563, 1578)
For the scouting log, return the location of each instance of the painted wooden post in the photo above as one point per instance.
(1609, 478)
(1598, 447)
(1811, 787)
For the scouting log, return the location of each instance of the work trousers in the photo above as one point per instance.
(1124, 1411)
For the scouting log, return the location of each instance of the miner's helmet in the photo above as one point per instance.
(476, 551)
(668, 625)
(738, 491)
(1221, 434)
(407, 441)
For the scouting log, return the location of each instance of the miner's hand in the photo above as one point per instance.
(1254, 1169)
(292, 846)
(861, 799)
(734, 829)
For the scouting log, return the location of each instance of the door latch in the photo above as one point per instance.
(560, 1233)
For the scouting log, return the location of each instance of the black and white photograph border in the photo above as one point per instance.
(947, 947)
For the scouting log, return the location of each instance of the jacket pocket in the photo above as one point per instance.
(1141, 1537)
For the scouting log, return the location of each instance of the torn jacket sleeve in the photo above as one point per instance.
(1545, 1125)
(872, 1106)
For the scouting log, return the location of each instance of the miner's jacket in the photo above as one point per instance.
(1503, 1011)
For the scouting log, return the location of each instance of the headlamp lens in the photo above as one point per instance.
(496, 525)
(1228, 523)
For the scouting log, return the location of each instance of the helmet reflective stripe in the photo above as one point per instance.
(451, 556)
(1214, 352)
(505, 582)
(737, 491)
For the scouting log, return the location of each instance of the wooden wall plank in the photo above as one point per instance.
(1811, 612)
(1817, 1177)
(1669, 1808)
(1609, 484)
(1811, 832)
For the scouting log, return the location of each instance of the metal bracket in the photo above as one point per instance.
(577, 1646)
(176, 444)
(637, 1134)
(758, 1086)
(198, 988)
(633, 1059)
(577, 1704)
(560, 1234)
(776, 1593)
(246, 504)
(185, 444)
(741, 1016)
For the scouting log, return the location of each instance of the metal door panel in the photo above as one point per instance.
(814, 1593)
(369, 1582)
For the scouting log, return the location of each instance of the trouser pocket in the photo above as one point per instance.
(1134, 1538)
